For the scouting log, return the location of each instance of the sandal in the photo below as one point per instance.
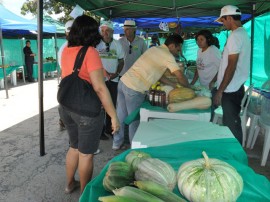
(75, 185)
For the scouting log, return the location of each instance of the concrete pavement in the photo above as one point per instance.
(25, 175)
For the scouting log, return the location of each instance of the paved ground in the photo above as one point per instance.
(24, 174)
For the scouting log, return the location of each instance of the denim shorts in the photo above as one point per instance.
(84, 132)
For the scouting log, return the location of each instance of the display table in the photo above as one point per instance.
(256, 187)
(47, 67)
(159, 132)
(147, 111)
(10, 70)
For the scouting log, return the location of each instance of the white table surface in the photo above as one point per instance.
(158, 132)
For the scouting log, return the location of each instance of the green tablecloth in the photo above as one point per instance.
(8, 70)
(135, 115)
(256, 187)
(47, 67)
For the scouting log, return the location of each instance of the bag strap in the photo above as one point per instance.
(80, 58)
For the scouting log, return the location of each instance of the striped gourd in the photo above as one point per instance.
(119, 174)
(209, 180)
(158, 171)
(181, 94)
(135, 157)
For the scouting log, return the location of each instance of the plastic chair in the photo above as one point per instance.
(266, 144)
(253, 114)
(218, 114)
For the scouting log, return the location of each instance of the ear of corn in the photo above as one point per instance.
(114, 198)
(137, 194)
(158, 190)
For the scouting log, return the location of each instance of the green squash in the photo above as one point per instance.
(134, 158)
(205, 179)
(153, 169)
(119, 174)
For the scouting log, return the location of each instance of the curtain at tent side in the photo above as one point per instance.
(3, 62)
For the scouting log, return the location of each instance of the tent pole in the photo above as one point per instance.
(252, 43)
(40, 77)
(3, 62)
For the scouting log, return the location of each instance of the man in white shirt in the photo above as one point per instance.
(233, 70)
(133, 45)
(112, 57)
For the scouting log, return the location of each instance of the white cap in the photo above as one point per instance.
(228, 10)
(130, 23)
(108, 24)
(68, 25)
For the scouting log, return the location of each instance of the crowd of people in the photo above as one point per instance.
(122, 71)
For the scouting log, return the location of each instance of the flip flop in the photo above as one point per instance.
(74, 186)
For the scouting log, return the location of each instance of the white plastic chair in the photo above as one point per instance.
(218, 114)
(266, 144)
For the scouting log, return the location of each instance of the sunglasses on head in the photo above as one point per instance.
(107, 47)
(130, 49)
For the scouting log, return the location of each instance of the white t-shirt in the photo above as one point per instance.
(110, 59)
(60, 51)
(138, 47)
(208, 63)
(238, 43)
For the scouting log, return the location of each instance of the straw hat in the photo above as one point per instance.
(130, 23)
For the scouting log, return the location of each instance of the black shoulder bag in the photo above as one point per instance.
(76, 94)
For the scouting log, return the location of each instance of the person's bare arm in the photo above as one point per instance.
(195, 78)
(182, 79)
(228, 75)
(102, 91)
(167, 81)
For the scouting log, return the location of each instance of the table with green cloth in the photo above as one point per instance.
(146, 111)
(47, 67)
(9, 70)
(256, 187)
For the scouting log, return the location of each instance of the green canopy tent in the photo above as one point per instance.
(110, 9)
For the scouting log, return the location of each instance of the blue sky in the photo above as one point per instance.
(15, 7)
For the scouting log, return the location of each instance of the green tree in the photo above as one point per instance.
(51, 7)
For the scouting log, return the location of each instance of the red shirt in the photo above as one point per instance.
(91, 62)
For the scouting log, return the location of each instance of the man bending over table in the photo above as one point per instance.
(147, 70)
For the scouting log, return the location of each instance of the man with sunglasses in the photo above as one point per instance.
(147, 70)
(111, 54)
(133, 45)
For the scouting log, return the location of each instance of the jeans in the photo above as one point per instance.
(231, 106)
(128, 100)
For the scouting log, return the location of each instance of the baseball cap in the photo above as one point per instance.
(108, 24)
(68, 25)
(228, 10)
(130, 23)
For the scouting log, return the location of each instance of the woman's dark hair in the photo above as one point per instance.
(84, 32)
(207, 34)
(216, 42)
(175, 39)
